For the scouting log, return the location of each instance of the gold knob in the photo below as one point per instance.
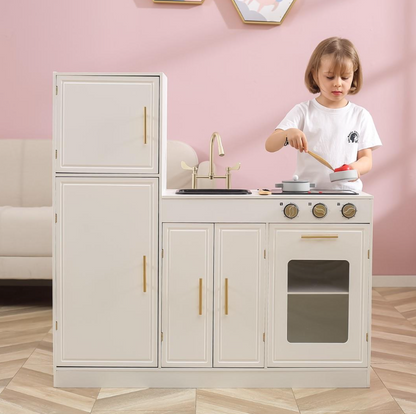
(349, 210)
(291, 210)
(319, 210)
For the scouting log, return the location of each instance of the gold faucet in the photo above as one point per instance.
(211, 175)
(221, 153)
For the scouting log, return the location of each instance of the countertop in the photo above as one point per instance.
(171, 194)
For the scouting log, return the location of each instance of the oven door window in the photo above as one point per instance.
(318, 301)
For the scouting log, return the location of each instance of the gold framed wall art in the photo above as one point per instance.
(179, 1)
(263, 11)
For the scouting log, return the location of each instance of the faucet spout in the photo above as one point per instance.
(211, 155)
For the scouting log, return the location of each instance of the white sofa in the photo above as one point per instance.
(26, 209)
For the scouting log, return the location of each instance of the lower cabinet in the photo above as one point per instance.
(106, 266)
(213, 295)
(318, 296)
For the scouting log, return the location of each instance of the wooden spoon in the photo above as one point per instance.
(321, 160)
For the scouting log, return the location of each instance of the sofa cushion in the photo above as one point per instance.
(26, 268)
(25, 172)
(26, 231)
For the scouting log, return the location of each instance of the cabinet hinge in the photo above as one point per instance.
(368, 254)
(264, 336)
(56, 218)
(161, 337)
(56, 325)
(56, 90)
(56, 154)
(264, 253)
(366, 337)
(163, 253)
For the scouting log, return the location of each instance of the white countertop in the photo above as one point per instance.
(171, 194)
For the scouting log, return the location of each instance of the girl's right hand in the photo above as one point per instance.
(297, 139)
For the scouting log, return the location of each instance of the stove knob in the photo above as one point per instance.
(291, 210)
(349, 210)
(319, 210)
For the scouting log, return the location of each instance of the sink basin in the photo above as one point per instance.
(213, 191)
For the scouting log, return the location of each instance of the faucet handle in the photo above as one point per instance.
(235, 167)
(185, 166)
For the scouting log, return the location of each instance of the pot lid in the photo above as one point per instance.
(296, 182)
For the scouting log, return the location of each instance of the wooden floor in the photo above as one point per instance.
(26, 371)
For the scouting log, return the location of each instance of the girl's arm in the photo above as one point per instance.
(296, 139)
(364, 161)
(276, 141)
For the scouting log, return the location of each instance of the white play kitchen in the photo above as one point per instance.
(162, 288)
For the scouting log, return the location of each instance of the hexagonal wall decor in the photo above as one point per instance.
(263, 11)
(179, 1)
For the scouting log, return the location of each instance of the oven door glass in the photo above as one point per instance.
(317, 307)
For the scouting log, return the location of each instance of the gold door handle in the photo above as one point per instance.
(200, 296)
(226, 296)
(144, 274)
(319, 236)
(145, 125)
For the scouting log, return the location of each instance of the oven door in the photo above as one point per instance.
(318, 304)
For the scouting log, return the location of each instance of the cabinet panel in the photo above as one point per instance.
(187, 295)
(107, 124)
(239, 297)
(106, 259)
(316, 297)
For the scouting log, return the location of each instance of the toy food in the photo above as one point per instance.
(344, 167)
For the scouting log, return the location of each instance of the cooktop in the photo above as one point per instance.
(314, 191)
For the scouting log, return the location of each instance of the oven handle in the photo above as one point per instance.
(319, 236)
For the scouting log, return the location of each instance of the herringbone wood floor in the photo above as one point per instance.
(26, 371)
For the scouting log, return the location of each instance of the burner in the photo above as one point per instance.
(315, 191)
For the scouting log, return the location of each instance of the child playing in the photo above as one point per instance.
(330, 125)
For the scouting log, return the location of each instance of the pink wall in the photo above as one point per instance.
(229, 77)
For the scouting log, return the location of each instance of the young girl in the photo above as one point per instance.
(330, 125)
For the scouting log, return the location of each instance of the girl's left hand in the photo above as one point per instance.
(358, 174)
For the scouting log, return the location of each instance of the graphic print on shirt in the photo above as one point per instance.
(353, 137)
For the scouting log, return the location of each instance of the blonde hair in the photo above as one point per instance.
(340, 49)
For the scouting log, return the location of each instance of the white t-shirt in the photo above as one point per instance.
(336, 135)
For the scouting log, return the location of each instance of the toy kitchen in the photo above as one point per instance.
(186, 288)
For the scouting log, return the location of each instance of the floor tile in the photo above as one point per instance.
(146, 412)
(400, 381)
(38, 386)
(245, 401)
(9, 338)
(375, 399)
(12, 402)
(148, 399)
(392, 408)
(21, 323)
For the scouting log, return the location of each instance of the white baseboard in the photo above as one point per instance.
(394, 281)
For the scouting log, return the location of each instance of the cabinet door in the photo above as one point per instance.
(106, 258)
(107, 124)
(187, 295)
(317, 312)
(239, 298)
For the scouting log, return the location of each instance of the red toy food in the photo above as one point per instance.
(344, 167)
